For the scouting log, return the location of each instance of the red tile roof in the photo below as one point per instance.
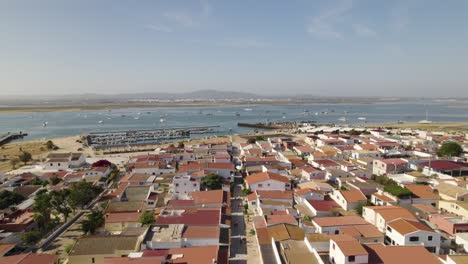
(323, 206)
(263, 176)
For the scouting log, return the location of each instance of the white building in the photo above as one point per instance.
(347, 251)
(349, 199)
(268, 181)
(402, 232)
(183, 185)
(64, 161)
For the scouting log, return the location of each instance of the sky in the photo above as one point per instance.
(274, 47)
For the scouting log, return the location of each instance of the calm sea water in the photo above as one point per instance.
(61, 124)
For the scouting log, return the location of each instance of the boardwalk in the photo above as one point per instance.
(5, 138)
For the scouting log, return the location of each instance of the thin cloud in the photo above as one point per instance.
(160, 28)
(324, 24)
(363, 30)
(399, 18)
(207, 8)
(243, 43)
(182, 19)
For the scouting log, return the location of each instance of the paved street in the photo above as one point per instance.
(238, 252)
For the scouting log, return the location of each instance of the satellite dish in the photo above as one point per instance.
(239, 167)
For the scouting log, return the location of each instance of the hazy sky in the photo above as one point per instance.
(361, 47)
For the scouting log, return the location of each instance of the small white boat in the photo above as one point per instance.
(136, 118)
(342, 119)
(284, 117)
(316, 113)
(162, 120)
(248, 109)
(425, 121)
(362, 118)
(45, 124)
(100, 122)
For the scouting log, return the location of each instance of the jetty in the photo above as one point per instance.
(276, 125)
(5, 138)
(115, 139)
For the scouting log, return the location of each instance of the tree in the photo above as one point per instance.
(50, 145)
(212, 182)
(31, 237)
(360, 206)
(354, 132)
(8, 198)
(307, 218)
(57, 201)
(42, 208)
(54, 180)
(181, 145)
(37, 181)
(14, 162)
(92, 222)
(101, 163)
(251, 140)
(82, 193)
(450, 149)
(246, 191)
(25, 157)
(147, 218)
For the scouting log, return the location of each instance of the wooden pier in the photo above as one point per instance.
(5, 138)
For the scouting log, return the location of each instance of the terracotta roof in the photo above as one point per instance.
(351, 248)
(263, 236)
(353, 196)
(4, 248)
(207, 197)
(404, 226)
(326, 163)
(196, 217)
(389, 213)
(383, 197)
(379, 253)
(339, 221)
(263, 176)
(393, 161)
(252, 197)
(29, 258)
(275, 194)
(422, 191)
(280, 219)
(361, 231)
(122, 217)
(285, 232)
(323, 206)
(445, 165)
(201, 232)
(193, 255)
(307, 190)
(141, 260)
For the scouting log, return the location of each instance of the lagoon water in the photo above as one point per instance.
(61, 124)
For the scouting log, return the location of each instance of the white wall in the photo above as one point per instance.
(269, 185)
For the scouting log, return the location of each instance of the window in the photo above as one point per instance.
(333, 245)
(59, 164)
(177, 185)
(260, 185)
(352, 258)
(389, 229)
(337, 232)
(429, 238)
(92, 260)
(414, 238)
